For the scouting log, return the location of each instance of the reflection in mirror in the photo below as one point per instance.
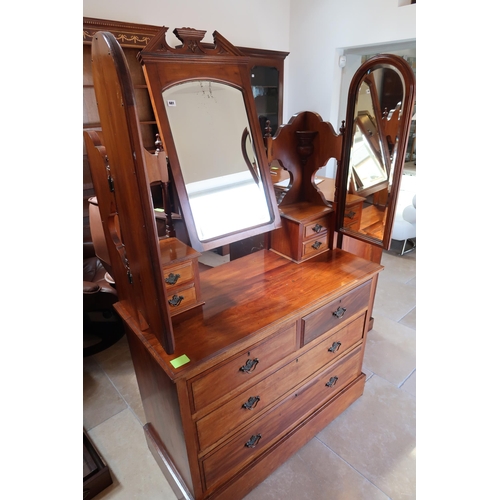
(379, 107)
(221, 174)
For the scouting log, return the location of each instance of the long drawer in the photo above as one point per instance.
(254, 400)
(335, 313)
(243, 367)
(249, 443)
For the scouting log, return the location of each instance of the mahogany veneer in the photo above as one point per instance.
(269, 364)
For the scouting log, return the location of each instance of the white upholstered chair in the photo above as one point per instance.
(405, 225)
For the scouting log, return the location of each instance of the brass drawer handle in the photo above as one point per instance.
(251, 403)
(176, 300)
(252, 442)
(317, 228)
(317, 244)
(335, 347)
(339, 312)
(332, 382)
(172, 278)
(249, 366)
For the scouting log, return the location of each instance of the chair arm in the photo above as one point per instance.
(90, 287)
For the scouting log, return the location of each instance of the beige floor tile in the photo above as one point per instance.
(410, 320)
(393, 299)
(136, 476)
(400, 268)
(117, 364)
(316, 473)
(390, 351)
(100, 399)
(410, 384)
(376, 436)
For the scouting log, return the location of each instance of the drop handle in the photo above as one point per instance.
(249, 366)
(252, 442)
(339, 312)
(176, 300)
(335, 347)
(332, 382)
(351, 214)
(316, 245)
(317, 228)
(172, 278)
(251, 403)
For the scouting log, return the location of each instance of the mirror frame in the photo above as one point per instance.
(193, 60)
(379, 61)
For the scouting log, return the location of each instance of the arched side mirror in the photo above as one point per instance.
(379, 109)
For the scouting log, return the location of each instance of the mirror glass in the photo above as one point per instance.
(220, 169)
(379, 107)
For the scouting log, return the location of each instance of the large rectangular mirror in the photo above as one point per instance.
(204, 106)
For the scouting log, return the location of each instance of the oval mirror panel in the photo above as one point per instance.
(379, 110)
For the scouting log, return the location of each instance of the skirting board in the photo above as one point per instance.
(166, 465)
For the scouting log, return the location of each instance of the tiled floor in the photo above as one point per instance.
(368, 452)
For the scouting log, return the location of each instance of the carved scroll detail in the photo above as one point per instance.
(191, 43)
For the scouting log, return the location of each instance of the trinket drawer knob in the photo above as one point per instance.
(176, 300)
(172, 278)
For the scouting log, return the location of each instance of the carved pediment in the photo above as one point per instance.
(191, 44)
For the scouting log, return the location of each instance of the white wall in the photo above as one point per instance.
(320, 31)
(315, 32)
(249, 23)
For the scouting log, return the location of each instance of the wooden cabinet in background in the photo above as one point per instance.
(132, 38)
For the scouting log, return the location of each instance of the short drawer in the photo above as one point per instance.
(259, 397)
(352, 214)
(315, 245)
(316, 227)
(182, 299)
(246, 365)
(335, 313)
(248, 444)
(177, 275)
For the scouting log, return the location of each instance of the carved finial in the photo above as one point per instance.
(268, 129)
(305, 144)
(158, 144)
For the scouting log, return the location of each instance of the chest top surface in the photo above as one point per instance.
(252, 297)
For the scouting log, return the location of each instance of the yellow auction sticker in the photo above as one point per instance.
(181, 360)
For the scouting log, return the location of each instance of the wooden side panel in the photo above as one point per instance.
(161, 406)
(137, 243)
